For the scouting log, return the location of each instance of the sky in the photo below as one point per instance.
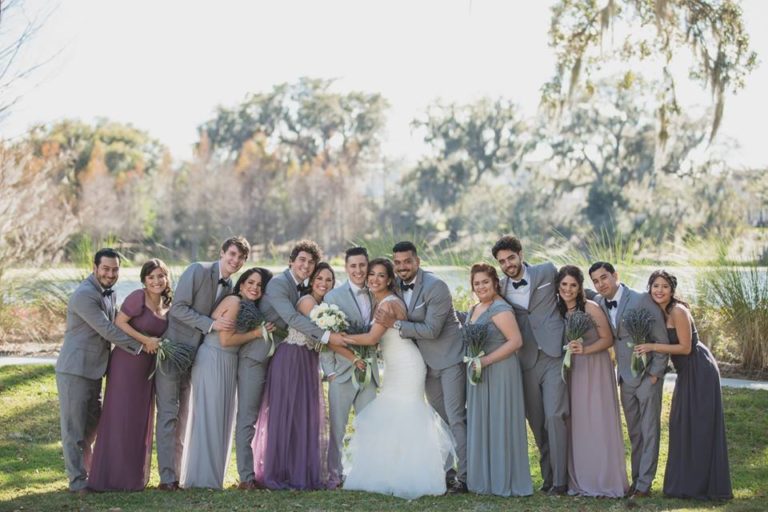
(165, 65)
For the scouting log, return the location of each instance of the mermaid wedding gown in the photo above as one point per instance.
(401, 446)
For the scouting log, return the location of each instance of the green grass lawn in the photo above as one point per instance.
(32, 469)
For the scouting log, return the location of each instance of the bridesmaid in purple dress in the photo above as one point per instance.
(596, 459)
(291, 441)
(123, 448)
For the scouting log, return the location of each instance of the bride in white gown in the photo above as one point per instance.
(401, 446)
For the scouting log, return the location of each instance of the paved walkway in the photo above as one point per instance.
(669, 379)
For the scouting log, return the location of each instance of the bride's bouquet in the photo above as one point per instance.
(474, 337)
(366, 353)
(639, 323)
(330, 318)
(576, 326)
(249, 318)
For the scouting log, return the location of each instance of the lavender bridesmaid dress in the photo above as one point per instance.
(596, 459)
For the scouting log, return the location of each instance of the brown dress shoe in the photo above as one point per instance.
(173, 486)
(250, 485)
(641, 494)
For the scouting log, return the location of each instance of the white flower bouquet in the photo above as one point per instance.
(329, 318)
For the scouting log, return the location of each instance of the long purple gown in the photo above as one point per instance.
(291, 440)
(122, 453)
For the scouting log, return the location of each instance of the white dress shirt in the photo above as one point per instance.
(520, 296)
(615, 311)
(363, 300)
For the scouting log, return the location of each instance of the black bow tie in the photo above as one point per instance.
(405, 287)
(225, 282)
(610, 304)
(107, 292)
(301, 288)
(518, 284)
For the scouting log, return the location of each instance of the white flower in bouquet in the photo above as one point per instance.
(329, 318)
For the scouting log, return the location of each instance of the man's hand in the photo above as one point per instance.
(337, 340)
(654, 379)
(385, 318)
(223, 324)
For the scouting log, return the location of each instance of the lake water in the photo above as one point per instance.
(455, 278)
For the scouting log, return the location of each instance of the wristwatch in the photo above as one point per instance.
(397, 324)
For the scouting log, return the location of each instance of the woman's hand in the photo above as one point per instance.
(270, 326)
(576, 346)
(150, 347)
(644, 348)
(360, 364)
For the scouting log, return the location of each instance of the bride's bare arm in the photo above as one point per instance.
(373, 336)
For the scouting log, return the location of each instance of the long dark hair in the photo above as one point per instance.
(576, 273)
(384, 262)
(323, 265)
(672, 282)
(150, 266)
(265, 274)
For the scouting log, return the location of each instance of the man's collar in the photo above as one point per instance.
(354, 287)
(293, 276)
(617, 295)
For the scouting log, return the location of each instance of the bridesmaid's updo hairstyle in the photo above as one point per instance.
(265, 274)
(323, 265)
(672, 282)
(384, 262)
(489, 270)
(576, 273)
(150, 266)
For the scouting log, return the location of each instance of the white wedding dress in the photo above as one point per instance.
(400, 446)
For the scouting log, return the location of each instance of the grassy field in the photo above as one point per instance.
(32, 469)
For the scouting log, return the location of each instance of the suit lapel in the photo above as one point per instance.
(419, 285)
(621, 307)
(110, 311)
(354, 301)
(533, 275)
(601, 302)
(291, 285)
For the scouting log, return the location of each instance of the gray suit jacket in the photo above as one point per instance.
(279, 306)
(258, 348)
(540, 324)
(90, 330)
(331, 362)
(633, 299)
(432, 322)
(193, 302)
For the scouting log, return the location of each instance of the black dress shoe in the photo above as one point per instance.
(545, 488)
(173, 486)
(558, 490)
(457, 487)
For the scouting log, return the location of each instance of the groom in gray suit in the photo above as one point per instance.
(641, 395)
(199, 290)
(432, 324)
(83, 362)
(354, 299)
(530, 289)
